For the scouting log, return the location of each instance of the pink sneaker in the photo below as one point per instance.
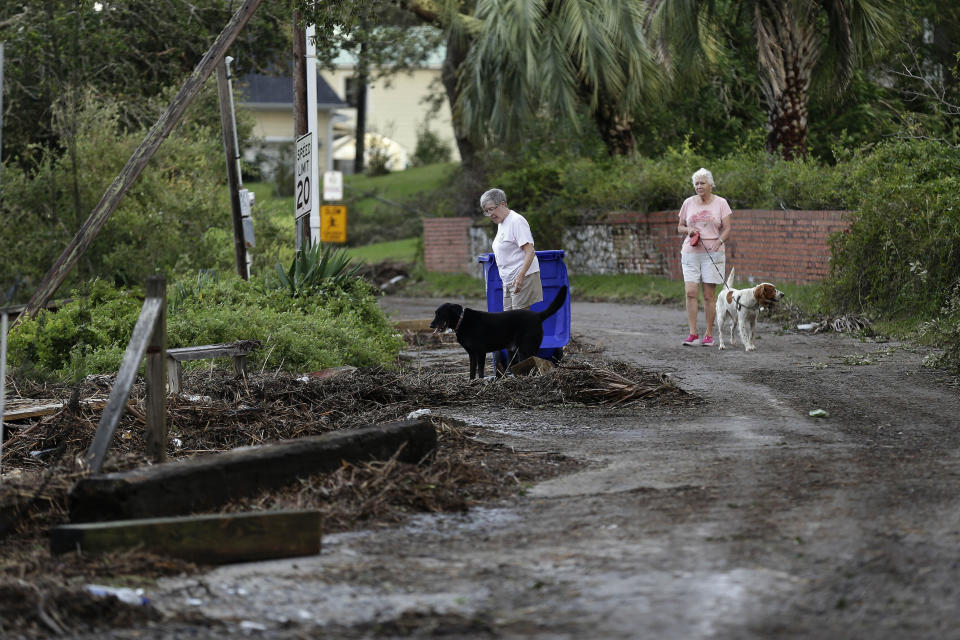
(691, 339)
(707, 342)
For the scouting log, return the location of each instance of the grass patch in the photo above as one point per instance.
(396, 186)
(446, 285)
(404, 250)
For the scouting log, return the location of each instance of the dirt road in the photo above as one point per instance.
(738, 517)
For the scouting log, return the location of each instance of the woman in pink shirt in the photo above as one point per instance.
(705, 223)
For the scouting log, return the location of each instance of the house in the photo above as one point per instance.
(396, 105)
(270, 100)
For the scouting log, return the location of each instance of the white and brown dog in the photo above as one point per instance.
(740, 307)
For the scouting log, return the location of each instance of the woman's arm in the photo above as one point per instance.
(528, 255)
(725, 229)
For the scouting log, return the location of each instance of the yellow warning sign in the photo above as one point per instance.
(333, 223)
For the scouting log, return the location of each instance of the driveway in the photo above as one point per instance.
(738, 516)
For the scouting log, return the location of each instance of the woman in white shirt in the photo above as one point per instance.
(513, 250)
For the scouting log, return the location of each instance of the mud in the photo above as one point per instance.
(740, 516)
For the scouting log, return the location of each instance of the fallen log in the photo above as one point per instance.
(207, 539)
(200, 484)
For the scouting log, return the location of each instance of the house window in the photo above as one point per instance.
(350, 89)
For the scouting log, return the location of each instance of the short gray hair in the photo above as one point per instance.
(494, 197)
(702, 173)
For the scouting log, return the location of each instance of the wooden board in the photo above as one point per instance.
(207, 539)
(205, 482)
(32, 408)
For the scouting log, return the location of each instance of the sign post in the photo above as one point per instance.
(302, 198)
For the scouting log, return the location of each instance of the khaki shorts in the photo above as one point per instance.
(698, 268)
(531, 292)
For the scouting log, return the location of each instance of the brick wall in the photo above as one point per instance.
(780, 246)
(446, 245)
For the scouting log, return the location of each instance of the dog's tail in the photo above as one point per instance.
(729, 283)
(555, 305)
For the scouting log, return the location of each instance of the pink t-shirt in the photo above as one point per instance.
(708, 219)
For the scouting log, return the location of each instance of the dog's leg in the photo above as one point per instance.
(473, 365)
(481, 362)
(721, 320)
(746, 332)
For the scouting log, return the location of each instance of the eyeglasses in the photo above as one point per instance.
(488, 211)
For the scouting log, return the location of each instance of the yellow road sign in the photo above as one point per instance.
(333, 223)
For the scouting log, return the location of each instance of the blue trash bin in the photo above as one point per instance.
(553, 275)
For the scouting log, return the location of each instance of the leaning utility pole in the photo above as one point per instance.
(135, 165)
(229, 128)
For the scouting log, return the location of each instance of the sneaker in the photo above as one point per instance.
(691, 339)
(707, 342)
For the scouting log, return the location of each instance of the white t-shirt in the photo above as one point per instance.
(512, 233)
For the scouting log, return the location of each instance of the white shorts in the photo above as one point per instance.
(697, 267)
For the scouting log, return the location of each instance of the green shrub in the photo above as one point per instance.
(944, 329)
(175, 219)
(339, 324)
(313, 268)
(430, 148)
(901, 255)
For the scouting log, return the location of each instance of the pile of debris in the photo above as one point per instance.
(42, 594)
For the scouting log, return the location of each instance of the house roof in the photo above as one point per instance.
(272, 91)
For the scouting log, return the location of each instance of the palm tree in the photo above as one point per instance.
(794, 38)
(560, 57)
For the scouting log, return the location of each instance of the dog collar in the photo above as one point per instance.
(457, 328)
(740, 305)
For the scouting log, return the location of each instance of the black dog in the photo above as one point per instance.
(480, 332)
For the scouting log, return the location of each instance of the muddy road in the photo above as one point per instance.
(740, 516)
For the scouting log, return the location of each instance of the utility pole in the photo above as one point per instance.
(233, 167)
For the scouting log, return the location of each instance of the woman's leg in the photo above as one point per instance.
(693, 292)
(710, 307)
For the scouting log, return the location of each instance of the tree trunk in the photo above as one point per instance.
(299, 78)
(616, 130)
(472, 174)
(787, 122)
(360, 131)
(787, 44)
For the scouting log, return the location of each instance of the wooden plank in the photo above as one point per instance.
(131, 171)
(155, 375)
(93, 459)
(207, 539)
(205, 483)
(174, 374)
(202, 352)
(24, 409)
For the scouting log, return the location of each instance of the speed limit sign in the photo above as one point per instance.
(301, 193)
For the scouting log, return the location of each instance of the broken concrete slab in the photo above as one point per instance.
(199, 484)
